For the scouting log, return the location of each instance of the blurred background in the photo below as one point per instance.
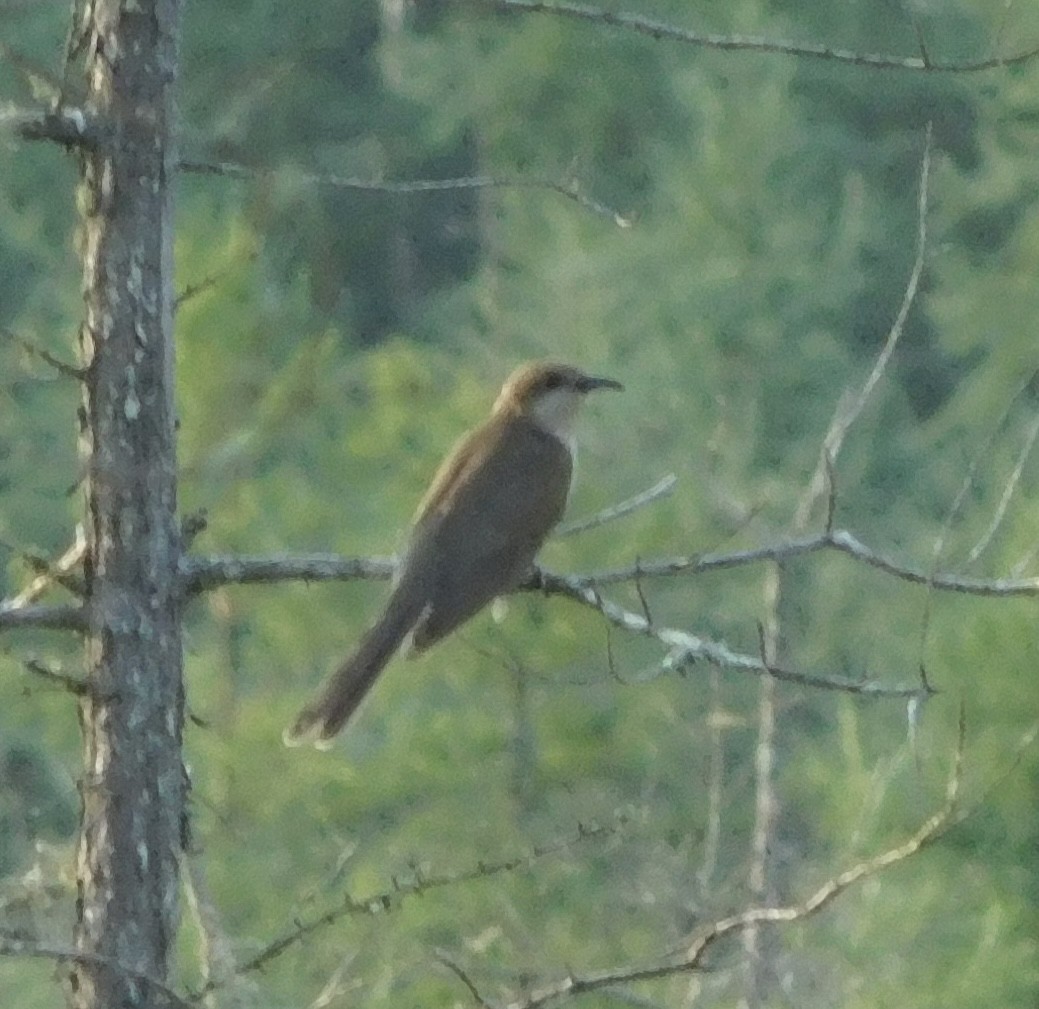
(334, 343)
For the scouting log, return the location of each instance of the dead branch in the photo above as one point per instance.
(1008, 492)
(202, 573)
(933, 828)
(210, 281)
(68, 126)
(391, 899)
(839, 540)
(850, 407)
(569, 189)
(73, 684)
(662, 31)
(54, 618)
(684, 648)
(61, 367)
(662, 488)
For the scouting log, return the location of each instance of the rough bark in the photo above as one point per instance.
(133, 789)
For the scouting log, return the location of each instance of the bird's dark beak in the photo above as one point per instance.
(586, 383)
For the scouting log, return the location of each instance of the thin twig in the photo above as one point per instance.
(938, 549)
(660, 30)
(459, 972)
(569, 189)
(216, 951)
(209, 282)
(840, 541)
(766, 805)
(851, 406)
(662, 488)
(73, 684)
(390, 900)
(51, 572)
(63, 368)
(716, 725)
(1008, 492)
(45, 87)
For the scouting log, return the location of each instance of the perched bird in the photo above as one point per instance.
(493, 501)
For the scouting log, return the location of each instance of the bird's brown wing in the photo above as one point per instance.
(485, 519)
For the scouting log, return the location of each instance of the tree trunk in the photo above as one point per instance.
(133, 790)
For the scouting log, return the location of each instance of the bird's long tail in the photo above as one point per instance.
(342, 693)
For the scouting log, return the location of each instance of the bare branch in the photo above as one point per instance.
(51, 572)
(390, 900)
(766, 802)
(202, 573)
(55, 618)
(68, 370)
(660, 30)
(45, 87)
(841, 541)
(216, 952)
(72, 127)
(208, 282)
(569, 189)
(685, 648)
(717, 722)
(929, 831)
(1008, 492)
(851, 407)
(662, 488)
(73, 684)
(462, 976)
(337, 984)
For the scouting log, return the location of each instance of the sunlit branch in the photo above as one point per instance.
(929, 831)
(49, 573)
(216, 948)
(661, 30)
(568, 189)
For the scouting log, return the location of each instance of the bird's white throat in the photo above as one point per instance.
(555, 410)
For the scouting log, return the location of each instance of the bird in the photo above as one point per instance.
(491, 504)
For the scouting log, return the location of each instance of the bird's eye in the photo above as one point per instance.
(553, 381)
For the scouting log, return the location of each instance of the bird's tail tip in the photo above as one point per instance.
(308, 730)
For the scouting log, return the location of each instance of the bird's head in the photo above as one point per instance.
(549, 394)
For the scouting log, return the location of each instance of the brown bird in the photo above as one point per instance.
(493, 501)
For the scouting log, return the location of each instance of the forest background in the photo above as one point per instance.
(744, 234)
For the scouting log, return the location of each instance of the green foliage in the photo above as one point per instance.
(346, 339)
